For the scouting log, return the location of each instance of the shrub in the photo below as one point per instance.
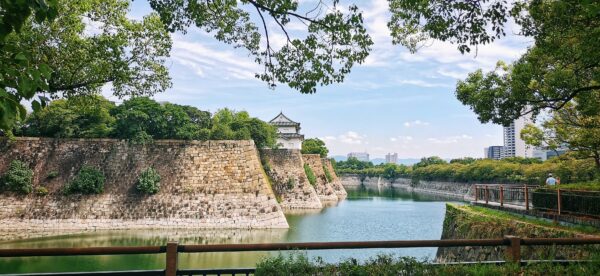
(290, 183)
(582, 202)
(327, 174)
(89, 180)
(148, 181)
(18, 178)
(52, 175)
(298, 264)
(41, 191)
(312, 179)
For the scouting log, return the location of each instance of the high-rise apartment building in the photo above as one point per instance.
(361, 156)
(513, 144)
(391, 158)
(493, 152)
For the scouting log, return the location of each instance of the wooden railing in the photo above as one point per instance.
(518, 195)
(172, 250)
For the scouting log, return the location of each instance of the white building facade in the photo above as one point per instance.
(288, 132)
(514, 146)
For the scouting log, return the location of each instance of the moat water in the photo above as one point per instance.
(363, 216)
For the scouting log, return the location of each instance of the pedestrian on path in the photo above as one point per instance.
(551, 181)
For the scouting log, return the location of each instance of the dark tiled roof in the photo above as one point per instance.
(283, 123)
(290, 135)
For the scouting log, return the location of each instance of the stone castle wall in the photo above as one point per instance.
(336, 184)
(286, 170)
(208, 184)
(456, 190)
(322, 186)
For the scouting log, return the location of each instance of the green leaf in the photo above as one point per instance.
(36, 106)
(46, 70)
(21, 57)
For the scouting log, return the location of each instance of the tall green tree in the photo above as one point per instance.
(76, 117)
(315, 146)
(570, 128)
(562, 66)
(428, 161)
(19, 76)
(230, 125)
(333, 41)
(89, 44)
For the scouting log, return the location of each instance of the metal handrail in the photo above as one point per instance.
(172, 249)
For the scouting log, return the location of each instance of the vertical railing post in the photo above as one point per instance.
(487, 194)
(559, 201)
(171, 266)
(513, 250)
(526, 198)
(476, 192)
(501, 196)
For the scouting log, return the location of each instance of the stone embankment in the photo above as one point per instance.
(324, 189)
(208, 184)
(285, 167)
(464, 222)
(457, 190)
(336, 184)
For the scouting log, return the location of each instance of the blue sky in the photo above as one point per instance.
(394, 102)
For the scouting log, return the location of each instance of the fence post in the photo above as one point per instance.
(513, 250)
(501, 196)
(171, 266)
(475, 192)
(559, 201)
(487, 194)
(526, 198)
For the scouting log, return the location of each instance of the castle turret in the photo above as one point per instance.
(288, 131)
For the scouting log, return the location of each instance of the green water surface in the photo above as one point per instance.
(363, 216)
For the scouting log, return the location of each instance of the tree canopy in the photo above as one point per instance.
(314, 146)
(563, 65)
(85, 46)
(142, 119)
(568, 128)
(334, 40)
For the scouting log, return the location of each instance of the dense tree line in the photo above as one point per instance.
(142, 119)
(509, 170)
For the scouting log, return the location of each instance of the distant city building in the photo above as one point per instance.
(361, 156)
(514, 146)
(493, 152)
(391, 158)
(544, 155)
(288, 132)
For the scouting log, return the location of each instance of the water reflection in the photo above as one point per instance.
(365, 215)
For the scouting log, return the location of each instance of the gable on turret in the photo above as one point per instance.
(288, 132)
(282, 120)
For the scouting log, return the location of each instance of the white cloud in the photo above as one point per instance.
(207, 62)
(415, 123)
(402, 139)
(352, 138)
(450, 139)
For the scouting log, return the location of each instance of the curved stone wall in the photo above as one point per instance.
(336, 184)
(209, 184)
(324, 189)
(286, 170)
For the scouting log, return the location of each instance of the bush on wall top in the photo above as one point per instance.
(89, 180)
(18, 178)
